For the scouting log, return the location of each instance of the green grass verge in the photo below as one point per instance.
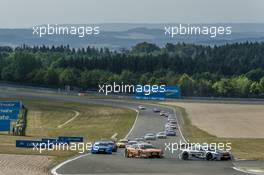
(44, 117)
(242, 148)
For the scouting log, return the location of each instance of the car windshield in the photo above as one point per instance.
(150, 134)
(103, 144)
(146, 147)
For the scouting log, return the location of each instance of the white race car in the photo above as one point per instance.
(198, 152)
(141, 107)
(130, 143)
(150, 136)
(161, 135)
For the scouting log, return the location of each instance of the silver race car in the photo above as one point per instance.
(201, 152)
(150, 136)
(161, 135)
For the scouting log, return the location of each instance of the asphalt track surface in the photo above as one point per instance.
(116, 163)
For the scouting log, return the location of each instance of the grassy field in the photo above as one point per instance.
(44, 117)
(242, 148)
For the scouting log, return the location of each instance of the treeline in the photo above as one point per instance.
(232, 70)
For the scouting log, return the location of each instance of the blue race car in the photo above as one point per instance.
(170, 133)
(102, 148)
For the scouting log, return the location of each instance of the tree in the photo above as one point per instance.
(51, 77)
(255, 74)
(145, 48)
(254, 89)
(24, 63)
(203, 87)
(127, 77)
(241, 86)
(38, 76)
(68, 77)
(7, 73)
(186, 84)
(261, 85)
(223, 88)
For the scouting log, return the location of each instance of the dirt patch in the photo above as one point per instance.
(226, 120)
(24, 164)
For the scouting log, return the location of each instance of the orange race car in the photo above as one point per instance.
(143, 150)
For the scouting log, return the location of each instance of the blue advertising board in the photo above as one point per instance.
(14, 105)
(151, 96)
(54, 141)
(172, 92)
(31, 144)
(8, 116)
(160, 94)
(4, 125)
(70, 139)
(9, 110)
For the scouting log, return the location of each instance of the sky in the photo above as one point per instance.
(28, 13)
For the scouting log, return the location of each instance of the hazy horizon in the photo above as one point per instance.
(25, 14)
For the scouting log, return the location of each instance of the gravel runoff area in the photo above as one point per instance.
(226, 120)
(24, 164)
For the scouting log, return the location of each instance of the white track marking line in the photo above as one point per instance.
(134, 123)
(54, 170)
(74, 117)
(247, 172)
(114, 136)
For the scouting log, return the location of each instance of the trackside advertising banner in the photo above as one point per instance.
(9, 110)
(4, 125)
(158, 93)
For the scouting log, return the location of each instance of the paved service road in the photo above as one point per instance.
(147, 121)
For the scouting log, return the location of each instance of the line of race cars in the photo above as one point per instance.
(142, 148)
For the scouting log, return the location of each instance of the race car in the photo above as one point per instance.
(161, 135)
(143, 150)
(122, 143)
(172, 121)
(141, 107)
(101, 147)
(198, 152)
(139, 139)
(150, 136)
(156, 110)
(130, 143)
(171, 117)
(170, 132)
(164, 114)
(170, 125)
(112, 143)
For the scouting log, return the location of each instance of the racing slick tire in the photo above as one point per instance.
(209, 156)
(140, 154)
(126, 154)
(185, 156)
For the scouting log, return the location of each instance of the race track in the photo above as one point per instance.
(147, 121)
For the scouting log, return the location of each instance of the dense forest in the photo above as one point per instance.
(232, 70)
